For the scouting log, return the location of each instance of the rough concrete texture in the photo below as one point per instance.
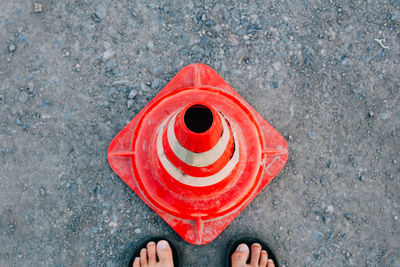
(324, 73)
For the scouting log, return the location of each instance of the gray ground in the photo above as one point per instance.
(325, 74)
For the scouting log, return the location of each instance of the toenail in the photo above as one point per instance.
(256, 244)
(242, 247)
(151, 243)
(143, 249)
(162, 244)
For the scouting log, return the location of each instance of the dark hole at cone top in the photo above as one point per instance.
(198, 118)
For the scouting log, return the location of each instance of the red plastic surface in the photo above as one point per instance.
(198, 212)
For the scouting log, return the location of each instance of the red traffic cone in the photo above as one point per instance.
(197, 154)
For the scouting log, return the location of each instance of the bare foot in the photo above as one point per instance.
(153, 255)
(259, 257)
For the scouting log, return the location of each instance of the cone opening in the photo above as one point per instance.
(198, 118)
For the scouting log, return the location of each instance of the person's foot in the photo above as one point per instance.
(258, 256)
(153, 255)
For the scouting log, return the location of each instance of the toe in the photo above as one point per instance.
(136, 262)
(263, 258)
(143, 257)
(151, 252)
(240, 256)
(270, 263)
(164, 252)
(255, 254)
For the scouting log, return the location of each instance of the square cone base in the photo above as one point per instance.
(197, 207)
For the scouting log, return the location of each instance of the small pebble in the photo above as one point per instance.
(234, 41)
(23, 97)
(132, 94)
(42, 191)
(29, 88)
(37, 7)
(190, 4)
(113, 224)
(120, 83)
(329, 209)
(129, 103)
(150, 45)
(105, 104)
(276, 66)
(111, 64)
(11, 48)
(95, 18)
(108, 54)
(138, 231)
(101, 11)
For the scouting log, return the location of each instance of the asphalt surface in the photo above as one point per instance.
(325, 74)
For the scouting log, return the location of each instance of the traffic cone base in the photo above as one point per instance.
(197, 154)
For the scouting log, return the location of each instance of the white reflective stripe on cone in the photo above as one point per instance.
(191, 180)
(202, 159)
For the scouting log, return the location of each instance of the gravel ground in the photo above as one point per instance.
(324, 73)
